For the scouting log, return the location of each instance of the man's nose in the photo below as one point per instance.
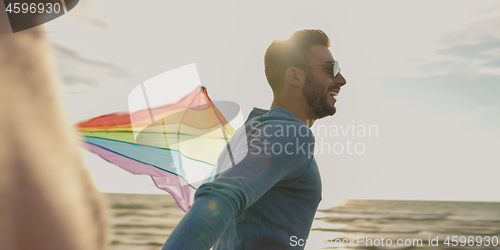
(340, 80)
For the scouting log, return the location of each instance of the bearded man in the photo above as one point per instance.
(268, 199)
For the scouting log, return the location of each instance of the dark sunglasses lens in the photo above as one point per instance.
(336, 68)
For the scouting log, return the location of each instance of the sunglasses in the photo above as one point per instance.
(335, 66)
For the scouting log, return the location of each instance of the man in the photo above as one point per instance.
(268, 199)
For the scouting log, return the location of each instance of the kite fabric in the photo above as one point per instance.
(176, 144)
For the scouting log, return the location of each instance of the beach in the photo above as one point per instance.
(144, 221)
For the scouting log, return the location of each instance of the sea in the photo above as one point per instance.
(144, 222)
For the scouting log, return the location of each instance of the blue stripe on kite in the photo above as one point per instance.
(163, 159)
(147, 146)
(209, 179)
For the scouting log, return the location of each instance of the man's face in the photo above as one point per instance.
(320, 83)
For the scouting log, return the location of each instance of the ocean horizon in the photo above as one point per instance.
(144, 222)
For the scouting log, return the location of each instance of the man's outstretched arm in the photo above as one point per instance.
(202, 225)
(217, 203)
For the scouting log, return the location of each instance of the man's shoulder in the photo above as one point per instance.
(281, 129)
(275, 117)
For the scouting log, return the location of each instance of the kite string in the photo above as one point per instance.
(179, 142)
(209, 108)
(165, 133)
(223, 132)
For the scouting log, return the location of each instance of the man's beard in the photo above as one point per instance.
(316, 98)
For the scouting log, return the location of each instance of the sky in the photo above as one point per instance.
(423, 76)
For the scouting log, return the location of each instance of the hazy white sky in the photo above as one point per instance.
(426, 74)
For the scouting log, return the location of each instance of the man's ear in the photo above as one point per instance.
(295, 76)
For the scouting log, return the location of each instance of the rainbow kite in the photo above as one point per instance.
(177, 145)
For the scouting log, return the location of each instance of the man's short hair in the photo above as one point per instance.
(296, 50)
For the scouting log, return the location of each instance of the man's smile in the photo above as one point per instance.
(333, 93)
